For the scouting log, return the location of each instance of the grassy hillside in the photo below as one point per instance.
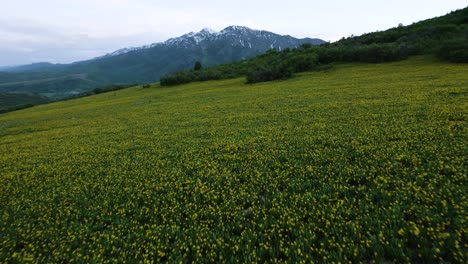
(360, 163)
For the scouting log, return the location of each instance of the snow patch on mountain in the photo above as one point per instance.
(211, 31)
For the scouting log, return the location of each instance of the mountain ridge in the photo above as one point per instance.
(210, 35)
(147, 63)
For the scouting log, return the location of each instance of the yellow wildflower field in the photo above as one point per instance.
(364, 162)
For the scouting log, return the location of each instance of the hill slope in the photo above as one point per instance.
(145, 64)
(361, 163)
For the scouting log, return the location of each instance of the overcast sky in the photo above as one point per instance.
(63, 31)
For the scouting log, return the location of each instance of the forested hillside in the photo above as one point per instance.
(445, 37)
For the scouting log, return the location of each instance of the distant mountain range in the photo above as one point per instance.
(31, 67)
(144, 64)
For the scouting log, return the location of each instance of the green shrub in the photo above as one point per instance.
(265, 74)
(197, 66)
(454, 51)
(177, 78)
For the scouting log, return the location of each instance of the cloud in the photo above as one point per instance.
(22, 42)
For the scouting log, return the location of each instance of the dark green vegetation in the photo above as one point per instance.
(144, 65)
(15, 101)
(197, 66)
(363, 163)
(106, 89)
(54, 85)
(266, 67)
(454, 51)
(432, 36)
(446, 37)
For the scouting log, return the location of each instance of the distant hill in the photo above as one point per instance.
(40, 66)
(13, 101)
(145, 64)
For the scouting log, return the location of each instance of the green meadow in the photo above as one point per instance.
(359, 163)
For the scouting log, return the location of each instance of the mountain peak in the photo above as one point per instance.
(236, 29)
(208, 30)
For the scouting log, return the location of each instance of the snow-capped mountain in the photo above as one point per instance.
(235, 36)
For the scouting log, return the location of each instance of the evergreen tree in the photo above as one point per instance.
(197, 66)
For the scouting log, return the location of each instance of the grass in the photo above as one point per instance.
(366, 162)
